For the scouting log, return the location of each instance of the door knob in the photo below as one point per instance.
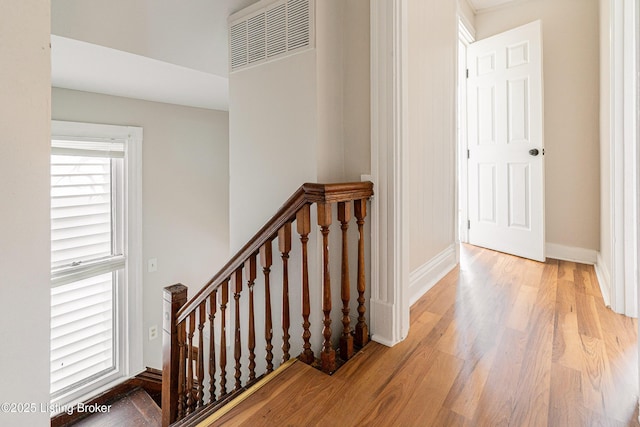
(534, 152)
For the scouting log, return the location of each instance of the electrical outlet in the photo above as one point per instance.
(152, 265)
(153, 332)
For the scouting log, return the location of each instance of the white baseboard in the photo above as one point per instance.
(427, 275)
(382, 323)
(570, 253)
(382, 340)
(604, 279)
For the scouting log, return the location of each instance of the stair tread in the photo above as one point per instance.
(134, 409)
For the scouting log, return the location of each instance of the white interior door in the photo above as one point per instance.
(505, 142)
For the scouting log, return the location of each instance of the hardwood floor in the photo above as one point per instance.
(134, 409)
(500, 341)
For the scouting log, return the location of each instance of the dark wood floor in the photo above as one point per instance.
(500, 341)
(134, 409)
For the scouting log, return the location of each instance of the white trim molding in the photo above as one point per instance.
(571, 253)
(624, 154)
(133, 210)
(389, 169)
(604, 279)
(423, 278)
(462, 177)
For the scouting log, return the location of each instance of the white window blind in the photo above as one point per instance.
(80, 209)
(87, 259)
(82, 344)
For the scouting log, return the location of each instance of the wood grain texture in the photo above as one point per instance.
(134, 409)
(499, 341)
(149, 380)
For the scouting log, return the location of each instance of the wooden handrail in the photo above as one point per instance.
(190, 358)
(307, 193)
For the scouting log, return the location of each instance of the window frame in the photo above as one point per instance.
(129, 334)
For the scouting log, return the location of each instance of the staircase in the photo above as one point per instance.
(213, 345)
(214, 351)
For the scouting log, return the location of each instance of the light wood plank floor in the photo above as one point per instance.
(500, 341)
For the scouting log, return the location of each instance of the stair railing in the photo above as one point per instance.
(195, 375)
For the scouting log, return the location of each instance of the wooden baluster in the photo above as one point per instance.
(212, 347)
(250, 271)
(182, 382)
(237, 344)
(362, 330)
(223, 338)
(303, 225)
(346, 340)
(174, 297)
(266, 261)
(328, 355)
(189, 391)
(202, 319)
(284, 244)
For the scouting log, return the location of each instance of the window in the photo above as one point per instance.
(95, 257)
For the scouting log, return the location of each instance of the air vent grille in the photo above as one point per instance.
(257, 38)
(276, 31)
(238, 46)
(271, 32)
(297, 23)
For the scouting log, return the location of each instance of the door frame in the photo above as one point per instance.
(389, 172)
(622, 289)
(466, 36)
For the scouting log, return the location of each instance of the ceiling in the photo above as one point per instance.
(481, 5)
(89, 67)
(157, 50)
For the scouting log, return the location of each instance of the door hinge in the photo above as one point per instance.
(468, 224)
(467, 73)
(468, 154)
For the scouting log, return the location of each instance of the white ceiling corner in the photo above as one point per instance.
(88, 67)
(179, 56)
(484, 5)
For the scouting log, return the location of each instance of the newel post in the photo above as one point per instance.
(174, 298)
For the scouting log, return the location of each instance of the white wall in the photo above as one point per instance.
(571, 110)
(185, 187)
(342, 40)
(273, 134)
(330, 84)
(433, 38)
(25, 77)
(356, 89)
